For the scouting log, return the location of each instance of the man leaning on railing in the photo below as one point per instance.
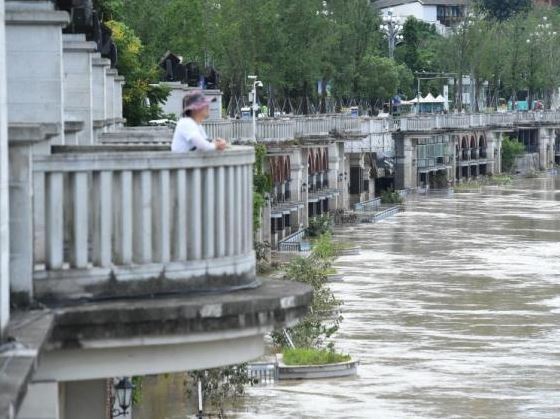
(189, 134)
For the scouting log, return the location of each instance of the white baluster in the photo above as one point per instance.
(39, 213)
(55, 221)
(162, 214)
(194, 244)
(230, 211)
(208, 214)
(80, 203)
(239, 207)
(221, 212)
(124, 219)
(142, 244)
(249, 206)
(180, 217)
(102, 231)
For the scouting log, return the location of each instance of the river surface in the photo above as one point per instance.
(452, 307)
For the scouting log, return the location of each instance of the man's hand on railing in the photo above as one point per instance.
(220, 144)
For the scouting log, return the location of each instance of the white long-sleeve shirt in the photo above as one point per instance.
(190, 136)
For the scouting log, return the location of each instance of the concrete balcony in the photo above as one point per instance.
(144, 264)
(138, 223)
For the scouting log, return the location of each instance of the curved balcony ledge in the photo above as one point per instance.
(215, 329)
(225, 273)
(110, 225)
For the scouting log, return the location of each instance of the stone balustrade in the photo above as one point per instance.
(370, 133)
(142, 223)
(474, 121)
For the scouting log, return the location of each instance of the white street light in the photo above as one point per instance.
(392, 29)
(254, 106)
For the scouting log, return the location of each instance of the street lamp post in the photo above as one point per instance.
(392, 29)
(254, 105)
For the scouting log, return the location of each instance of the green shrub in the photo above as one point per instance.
(312, 356)
(500, 180)
(391, 197)
(319, 225)
(511, 148)
(324, 247)
(323, 318)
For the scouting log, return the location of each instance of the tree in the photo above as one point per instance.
(138, 89)
(418, 51)
(502, 10)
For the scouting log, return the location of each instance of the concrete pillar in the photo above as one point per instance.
(34, 63)
(78, 84)
(84, 399)
(110, 75)
(371, 190)
(491, 139)
(4, 191)
(41, 402)
(24, 141)
(333, 172)
(118, 101)
(305, 190)
(99, 93)
(405, 168)
(346, 183)
(546, 144)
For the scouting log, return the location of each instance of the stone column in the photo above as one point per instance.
(24, 141)
(404, 168)
(99, 94)
(296, 182)
(371, 191)
(34, 63)
(110, 75)
(41, 402)
(305, 178)
(4, 191)
(118, 101)
(346, 182)
(546, 141)
(333, 171)
(78, 84)
(491, 140)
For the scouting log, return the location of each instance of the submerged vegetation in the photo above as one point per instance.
(312, 356)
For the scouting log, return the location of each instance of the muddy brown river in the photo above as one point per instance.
(452, 307)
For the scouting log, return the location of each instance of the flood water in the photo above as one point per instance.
(452, 307)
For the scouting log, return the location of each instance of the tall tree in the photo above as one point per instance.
(503, 9)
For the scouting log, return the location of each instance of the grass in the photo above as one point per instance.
(495, 180)
(311, 356)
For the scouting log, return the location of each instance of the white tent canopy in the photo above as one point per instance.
(429, 98)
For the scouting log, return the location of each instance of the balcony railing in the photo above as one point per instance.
(278, 130)
(142, 223)
(466, 121)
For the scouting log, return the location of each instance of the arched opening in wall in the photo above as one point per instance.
(482, 147)
(325, 169)
(474, 149)
(464, 148)
(287, 178)
(311, 169)
(317, 171)
(557, 146)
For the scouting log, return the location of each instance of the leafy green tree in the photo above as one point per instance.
(418, 51)
(511, 148)
(503, 9)
(141, 99)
